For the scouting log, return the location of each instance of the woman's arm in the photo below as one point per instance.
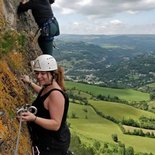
(24, 6)
(27, 79)
(35, 87)
(55, 104)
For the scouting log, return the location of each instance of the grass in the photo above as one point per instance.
(120, 111)
(98, 128)
(125, 94)
(89, 125)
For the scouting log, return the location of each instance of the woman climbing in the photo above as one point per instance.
(44, 17)
(49, 132)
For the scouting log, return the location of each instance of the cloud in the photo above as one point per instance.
(105, 16)
(67, 11)
(132, 12)
(84, 2)
(105, 8)
(116, 22)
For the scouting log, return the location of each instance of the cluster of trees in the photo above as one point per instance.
(132, 73)
(74, 97)
(139, 132)
(126, 151)
(144, 122)
(78, 147)
(110, 98)
(147, 123)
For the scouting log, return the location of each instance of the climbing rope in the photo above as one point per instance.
(17, 143)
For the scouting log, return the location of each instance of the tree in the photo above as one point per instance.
(115, 137)
(130, 151)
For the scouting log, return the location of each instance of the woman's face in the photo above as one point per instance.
(43, 78)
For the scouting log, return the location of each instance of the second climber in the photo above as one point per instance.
(44, 17)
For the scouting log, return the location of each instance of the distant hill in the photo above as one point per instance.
(143, 42)
(114, 60)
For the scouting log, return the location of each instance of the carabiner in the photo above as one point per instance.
(26, 108)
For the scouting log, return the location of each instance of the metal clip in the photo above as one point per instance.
(26, 108)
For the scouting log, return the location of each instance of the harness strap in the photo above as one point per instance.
(49, 21)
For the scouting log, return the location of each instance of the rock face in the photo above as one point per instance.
(9, 12)
(16, 51)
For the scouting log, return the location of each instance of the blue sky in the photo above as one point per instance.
(105, 16)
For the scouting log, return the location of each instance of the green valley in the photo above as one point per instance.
(97, 122)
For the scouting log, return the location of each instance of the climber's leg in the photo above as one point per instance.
(46, 45)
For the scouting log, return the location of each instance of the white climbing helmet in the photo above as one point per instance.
(44, 62)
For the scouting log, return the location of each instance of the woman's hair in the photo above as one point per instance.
(59, 77)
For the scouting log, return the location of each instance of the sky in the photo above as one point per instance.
(105, 16)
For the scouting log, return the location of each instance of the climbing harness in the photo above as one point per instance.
(50, 29)
(44, 30)
(24, 108)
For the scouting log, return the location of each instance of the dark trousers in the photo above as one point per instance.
(48, 151)
(45, 45)
(52, 152)
(48, 31)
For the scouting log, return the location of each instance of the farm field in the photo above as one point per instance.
(124, 94)
(98, 128)
(120, 111)
(90, 126)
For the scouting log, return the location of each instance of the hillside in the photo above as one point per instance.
(142, 43)
(97, 122)
(115, 61)
(93, 128)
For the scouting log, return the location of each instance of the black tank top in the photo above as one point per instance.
(44, 138)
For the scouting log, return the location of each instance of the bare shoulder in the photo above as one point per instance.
(56, 93)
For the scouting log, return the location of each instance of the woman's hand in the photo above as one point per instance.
(23, 1)
(27, 116)
(26, 78)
